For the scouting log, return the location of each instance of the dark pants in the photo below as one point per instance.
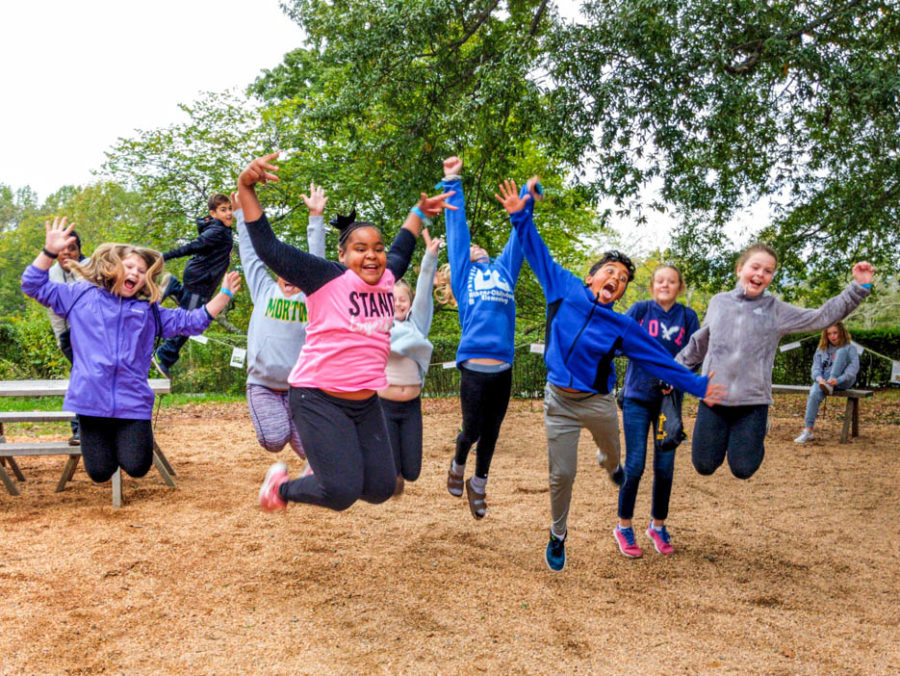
(65, 345)
(484, 398)
(404, 426)
(735, 431)
(169, 351)
(638, 417)
(110, 443)
(347, 446)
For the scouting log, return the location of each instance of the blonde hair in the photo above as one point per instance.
(759, 247)
(843, 339)
(443, 292)
(403, 284)
(104, 269)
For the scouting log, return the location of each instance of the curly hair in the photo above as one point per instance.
(443, 292)
(843, 337)
(105, 269)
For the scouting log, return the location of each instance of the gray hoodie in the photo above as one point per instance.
(278, 323)
(739, 337)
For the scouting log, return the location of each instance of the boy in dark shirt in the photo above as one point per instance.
(211, 254)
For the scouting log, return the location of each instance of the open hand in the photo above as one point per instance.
(863, 272)
(432, 206)
(509, 197)
(432, 244)
(316, 200)
(58, 235)
(715, 394)
(452, 166)
(232, 281)
(260, 170)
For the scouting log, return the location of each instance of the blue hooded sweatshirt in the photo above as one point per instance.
(485, 291)
(583, 335)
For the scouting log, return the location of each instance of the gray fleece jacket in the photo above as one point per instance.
(739, 337)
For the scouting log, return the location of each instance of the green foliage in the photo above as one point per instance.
(28, 348)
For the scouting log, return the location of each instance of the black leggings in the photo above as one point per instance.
(110, 443)
(404, 426)
(738, 431)
(484, 398)
(347, 446)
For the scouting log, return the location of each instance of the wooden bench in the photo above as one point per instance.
(40, 388)
(851, 412)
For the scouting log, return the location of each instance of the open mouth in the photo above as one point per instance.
(608, 292)
(129, 284)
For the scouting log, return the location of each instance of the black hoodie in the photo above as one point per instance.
(211, 253)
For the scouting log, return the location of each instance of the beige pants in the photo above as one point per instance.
(565, 414)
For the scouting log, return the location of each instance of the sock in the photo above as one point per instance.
(458, 469)
(478, 484)
(558, 537)
(658, 529)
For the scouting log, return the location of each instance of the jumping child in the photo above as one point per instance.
(672, 324)
(835, 367)
(114, 319)
(341, 366)
(738, 339)
(277, 331)
(583, 335)
(485, 290)
(408, 364)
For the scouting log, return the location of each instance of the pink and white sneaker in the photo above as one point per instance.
(660, 539)
(269, 499)
(307, 470)
(627, 544)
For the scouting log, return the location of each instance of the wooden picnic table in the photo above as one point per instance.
(48, 388)
(851, 412)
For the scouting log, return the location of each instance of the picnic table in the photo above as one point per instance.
(48, 388)
(851, 412)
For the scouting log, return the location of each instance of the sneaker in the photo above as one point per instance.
(477, 504)
(805, 436)
(75, 439)
(454, 482)
(826, 388)
(660, 539)
(618, 477)
(625, 540)
(555, 556)
(158, 365)
(269, 499)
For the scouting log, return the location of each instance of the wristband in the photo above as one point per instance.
(227, 292)
(55, 256)
(418, 212)
(867, 285)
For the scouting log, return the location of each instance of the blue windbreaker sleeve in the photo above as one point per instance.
(57, 296)
(651, 356)
(458, 241)
(551, 275)
(180, 322)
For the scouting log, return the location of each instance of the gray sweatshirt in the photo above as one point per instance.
(278, 323)
(409, 338)
(739, 337)
(59, 274)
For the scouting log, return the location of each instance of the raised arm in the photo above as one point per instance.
(792, 319)
(422, 311)
(258, 279)
(458, 238)
(315, 231)
(36, 282)
(513, 253)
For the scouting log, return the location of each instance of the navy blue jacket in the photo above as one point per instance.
(583, 335)
(211, 253)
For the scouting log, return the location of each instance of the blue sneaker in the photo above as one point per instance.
(556, 553)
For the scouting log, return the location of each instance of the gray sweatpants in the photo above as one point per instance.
(565, 414)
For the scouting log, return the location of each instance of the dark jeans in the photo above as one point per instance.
(404, 426)
(735, 431)
(347, 446)
(170, 350)
(638, 417)
(110, 443)
(65, 345)
(484, 398)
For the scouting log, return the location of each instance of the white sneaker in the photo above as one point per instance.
(826, 388)
(805, 436)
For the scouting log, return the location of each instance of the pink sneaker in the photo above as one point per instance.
(625, 540)
(269, 499)
(660, 539)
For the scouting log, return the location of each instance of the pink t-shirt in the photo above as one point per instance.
(348, 337)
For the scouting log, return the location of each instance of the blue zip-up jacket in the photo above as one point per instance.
(673, 329)
(583, 335)
(485, 292)
(211, 254)
(112, 339)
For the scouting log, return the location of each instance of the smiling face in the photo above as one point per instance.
(756, 273)
(134, 278)
(608, 282)
(286, 287)
(224, 213)
(476, 253)
(70, 253)
(666, 286)
(833, 333)
(364, 254)
(402, 302)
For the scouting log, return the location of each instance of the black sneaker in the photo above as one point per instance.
(555, 556)
(158, 365)
(75, 439)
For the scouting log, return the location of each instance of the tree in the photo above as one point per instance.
(730, 102)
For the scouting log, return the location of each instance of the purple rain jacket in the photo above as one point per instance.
(112, 339)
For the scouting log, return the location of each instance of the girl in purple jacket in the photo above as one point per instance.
(114, 318)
